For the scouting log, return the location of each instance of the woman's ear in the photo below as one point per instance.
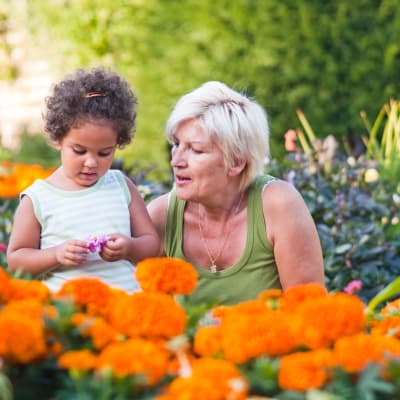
(237, 167)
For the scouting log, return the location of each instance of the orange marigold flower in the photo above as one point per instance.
(135, 357)
(22, 339)
(22, 289)
(27, 308)
(207, 340)
(89, 292)
(96, 328)
(149, 315)
(319, 322)
(294, 296)
(353, 353)
(305, 370)
(211, 379)
(388, 326)
(270, 297)
(166, 274)
(393, 307)
(248, 335)
(4, 285)
(82, 360)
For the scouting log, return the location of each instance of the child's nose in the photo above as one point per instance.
(90, 161)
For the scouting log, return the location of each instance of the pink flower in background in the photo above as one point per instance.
(96, 243)
(290, 140)
(353, 287)
(3, 247)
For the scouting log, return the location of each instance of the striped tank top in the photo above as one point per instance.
(98, 210)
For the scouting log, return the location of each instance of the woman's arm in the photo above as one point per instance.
(293, 235)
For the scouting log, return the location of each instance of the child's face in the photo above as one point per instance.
(86, 154)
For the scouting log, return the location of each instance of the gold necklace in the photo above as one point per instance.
(213, 267)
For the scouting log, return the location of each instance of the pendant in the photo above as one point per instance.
(213, 268)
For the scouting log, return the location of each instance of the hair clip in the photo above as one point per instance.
(94, 94)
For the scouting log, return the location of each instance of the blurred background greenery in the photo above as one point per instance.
(332, 59)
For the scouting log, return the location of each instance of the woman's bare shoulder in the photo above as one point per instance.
(280, 193)
(158, 208)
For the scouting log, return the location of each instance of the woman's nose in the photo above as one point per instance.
(177, 157)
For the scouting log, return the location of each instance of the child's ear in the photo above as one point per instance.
(237, 167)
(55, 144)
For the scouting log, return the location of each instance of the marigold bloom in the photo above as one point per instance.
(353, 353)
(135, 357)
(388, 326)
(149, 315)
(22, 289)
(318, 323)
(82, 360)
(247, 335)
(15, 177)
(28, 308)
(166, 274)
(393, 307)
(211, 379)
(96, 328)
(270, 297)
(22, 339)
(305, 370)
(296, 295)
(4, 286)
(207, 340)
(88, 292)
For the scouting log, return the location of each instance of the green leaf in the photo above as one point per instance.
(389, 291)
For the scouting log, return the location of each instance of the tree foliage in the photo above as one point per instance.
(332, 59)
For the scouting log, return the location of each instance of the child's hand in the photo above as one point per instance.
(72, 252)
(116, 248)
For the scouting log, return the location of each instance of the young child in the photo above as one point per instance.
(85, 219)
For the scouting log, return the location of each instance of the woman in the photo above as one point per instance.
(243, 231)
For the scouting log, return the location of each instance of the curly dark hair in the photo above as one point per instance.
(96, 95)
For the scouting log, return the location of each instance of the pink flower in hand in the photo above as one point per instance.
(353, 287)
(96, 243)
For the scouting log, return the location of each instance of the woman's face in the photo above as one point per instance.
(197, 162)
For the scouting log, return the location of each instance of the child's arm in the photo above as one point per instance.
(144, 241)
(23, 251)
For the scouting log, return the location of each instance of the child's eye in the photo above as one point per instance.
(79, 151)
(105, 154)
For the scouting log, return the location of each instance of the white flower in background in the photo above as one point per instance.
(371, 175)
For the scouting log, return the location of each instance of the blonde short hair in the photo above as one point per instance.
(238, 124)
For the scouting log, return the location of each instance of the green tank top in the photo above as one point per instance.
(254, 272)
